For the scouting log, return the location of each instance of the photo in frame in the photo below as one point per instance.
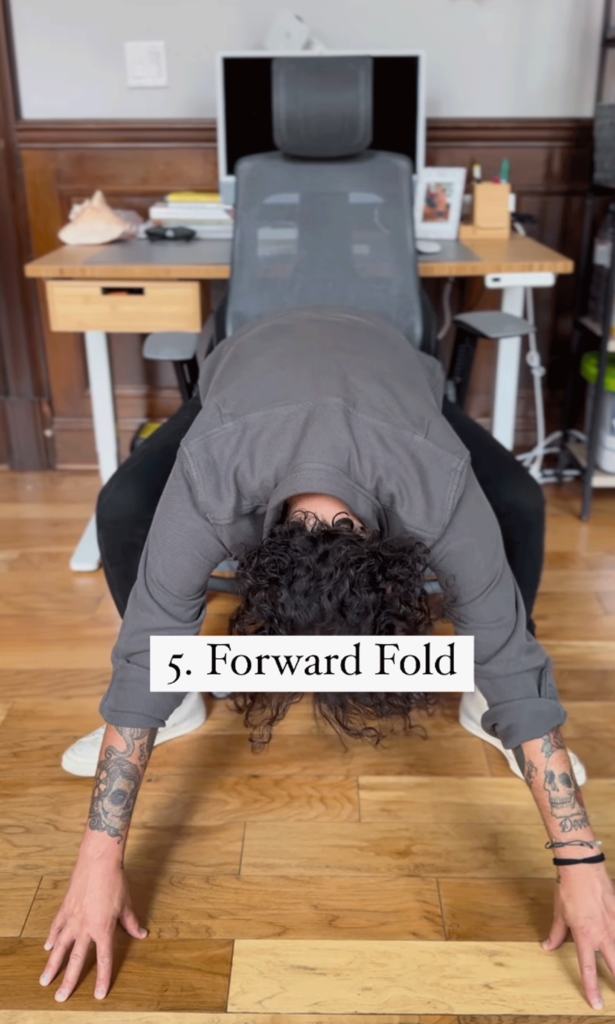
(439, 202)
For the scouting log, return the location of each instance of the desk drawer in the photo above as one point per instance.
(131, 306)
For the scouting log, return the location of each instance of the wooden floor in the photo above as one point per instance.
(311, 883)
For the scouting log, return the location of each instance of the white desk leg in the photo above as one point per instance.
(507, 373)
(87, 556)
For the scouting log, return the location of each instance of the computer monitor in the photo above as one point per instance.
(244, 102)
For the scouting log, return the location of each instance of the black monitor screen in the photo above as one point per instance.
(247, 101)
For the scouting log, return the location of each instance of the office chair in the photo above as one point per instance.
(324, 220)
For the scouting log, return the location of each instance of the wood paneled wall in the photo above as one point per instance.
(134, 163)
(24, 410)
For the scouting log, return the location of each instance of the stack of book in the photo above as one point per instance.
(201, 211)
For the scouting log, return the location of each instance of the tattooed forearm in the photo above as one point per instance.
(565, 797)
(551, 742)
(528, 768)
(117, 782)
(553, 783)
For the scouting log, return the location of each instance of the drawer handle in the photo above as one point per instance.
(123, 291)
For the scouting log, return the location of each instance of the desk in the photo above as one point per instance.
(143, 286)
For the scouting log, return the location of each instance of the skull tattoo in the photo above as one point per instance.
(115, 793)
(562, 793)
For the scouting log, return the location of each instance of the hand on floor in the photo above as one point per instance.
(96, 900)
(585, 904)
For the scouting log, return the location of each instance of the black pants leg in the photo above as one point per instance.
(128, 501)
(515, 497)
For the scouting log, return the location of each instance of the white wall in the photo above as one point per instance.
(486, 58)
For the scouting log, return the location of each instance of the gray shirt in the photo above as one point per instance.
(334, 402)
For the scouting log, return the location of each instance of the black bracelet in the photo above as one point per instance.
(561, 861)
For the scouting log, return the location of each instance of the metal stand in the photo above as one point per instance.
(508, 364)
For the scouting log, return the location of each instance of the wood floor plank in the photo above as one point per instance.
(59, 806)
(577, 581)
(54, 685)
(17, 894)
(580, 654)
(504, 800)
(480, 850)
(497, 910)
(215, 850)
(589, 718)
(506, 1018)
(79, 714)
(28, 563)
(557, 631)
(170, 1017)
(433, 801)
(178, 800)
(49, 488)
(565, 561)
(178, 906)
(149, 975)
(399, 977)
(30, 755)
(41, 605)
(58, 534)
(607, 596)
(588, 538)
(58, 652)
(39, 510)
(52, 580)
(324, 754)
(585, 684)
(558, 618)
(310, 870)
(181, 799)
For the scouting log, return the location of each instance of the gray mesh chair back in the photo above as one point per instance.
(322, 106)
(332, 226)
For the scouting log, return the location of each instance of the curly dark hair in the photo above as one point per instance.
(311, 577)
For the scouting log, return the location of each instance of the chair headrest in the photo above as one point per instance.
(322, 106)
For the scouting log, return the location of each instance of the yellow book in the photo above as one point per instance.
(193, 197)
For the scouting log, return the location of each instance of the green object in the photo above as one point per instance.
(505, 172)
(590, 365)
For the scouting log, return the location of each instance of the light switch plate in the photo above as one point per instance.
(146, 65)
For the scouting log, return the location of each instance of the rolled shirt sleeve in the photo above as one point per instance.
(512, 670)
(168, 599)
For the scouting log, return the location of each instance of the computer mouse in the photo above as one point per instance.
(174, 233)
(426, 248)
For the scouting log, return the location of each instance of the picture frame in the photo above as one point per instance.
(439, 202)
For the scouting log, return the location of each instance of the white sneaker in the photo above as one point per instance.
(82, 758)
(471, 710)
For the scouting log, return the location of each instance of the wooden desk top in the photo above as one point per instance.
(201, 260)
